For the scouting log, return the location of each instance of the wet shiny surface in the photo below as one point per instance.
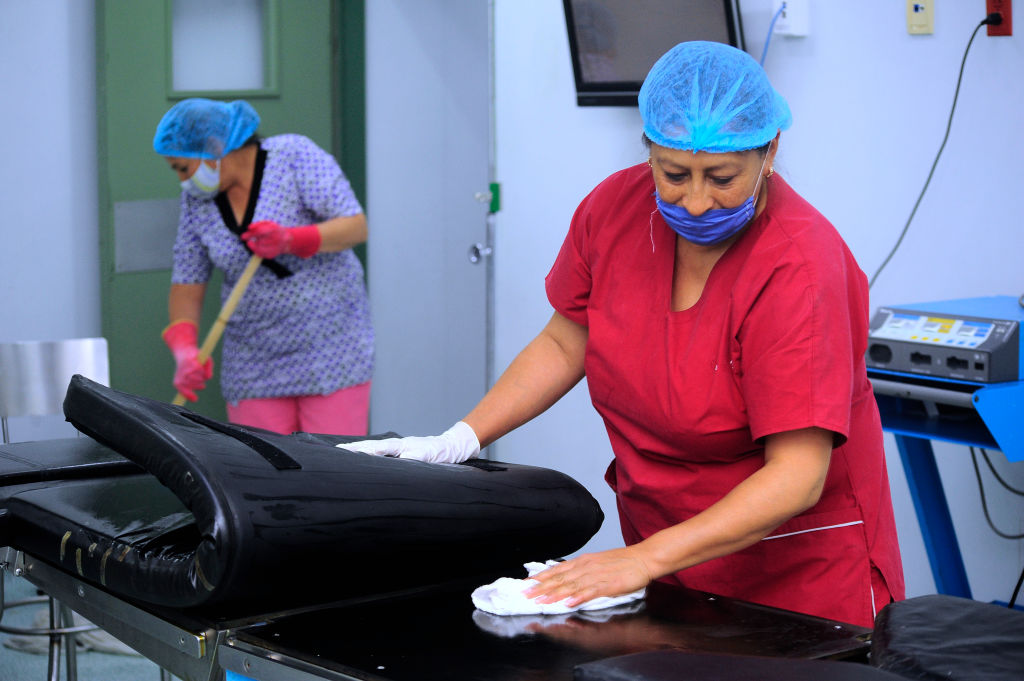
(441, 636)
(73, 458)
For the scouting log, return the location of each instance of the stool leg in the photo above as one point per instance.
(53, 668)
(71, 653)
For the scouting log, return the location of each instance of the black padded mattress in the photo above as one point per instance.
(173, 509)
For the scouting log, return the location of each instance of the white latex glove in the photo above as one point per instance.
(454, 445)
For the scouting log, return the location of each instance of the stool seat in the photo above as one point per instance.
(33, 380)
(949, 638)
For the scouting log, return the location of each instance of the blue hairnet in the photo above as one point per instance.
(204, 128)
(708, 96)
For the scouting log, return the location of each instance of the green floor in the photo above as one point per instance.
(16, 665)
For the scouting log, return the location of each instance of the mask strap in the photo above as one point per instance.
(650, 223)
(760, 174)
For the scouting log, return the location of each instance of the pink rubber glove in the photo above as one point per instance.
(268, 239)
(189, 375)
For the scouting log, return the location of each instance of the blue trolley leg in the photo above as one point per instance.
(933, 516)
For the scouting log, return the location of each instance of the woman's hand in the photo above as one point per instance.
(268, 239)
(455, 445)
(608, 573)
(190, 376)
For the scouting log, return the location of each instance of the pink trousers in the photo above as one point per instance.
(344, 412)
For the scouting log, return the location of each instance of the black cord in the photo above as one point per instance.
(996, 473)
(995, 19)
(1020, 581)
(1016, 590)
(984, 503)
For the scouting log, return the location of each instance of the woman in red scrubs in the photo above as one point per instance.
(721, 323)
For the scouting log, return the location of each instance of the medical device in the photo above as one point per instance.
(947, 371)
(975, 340)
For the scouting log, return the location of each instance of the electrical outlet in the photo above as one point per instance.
(794, 18)
(920, 19)
(1005, 8)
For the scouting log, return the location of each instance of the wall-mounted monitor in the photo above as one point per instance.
(614, 43)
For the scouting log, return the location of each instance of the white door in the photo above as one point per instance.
(428, 172)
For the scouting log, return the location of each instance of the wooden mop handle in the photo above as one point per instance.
(213, 336)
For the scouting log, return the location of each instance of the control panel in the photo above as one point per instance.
(974, 340)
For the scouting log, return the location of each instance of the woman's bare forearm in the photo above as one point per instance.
(185, 301)
(790, 482)
(541, 374)
(338, 234)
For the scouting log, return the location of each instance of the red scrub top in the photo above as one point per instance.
(775, 343)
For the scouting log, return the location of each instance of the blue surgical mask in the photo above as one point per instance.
(712, 226)
(204, 183)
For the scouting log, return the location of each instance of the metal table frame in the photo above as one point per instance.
(994, 424)
(186, 648)
(196, 649)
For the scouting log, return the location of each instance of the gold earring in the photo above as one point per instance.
(650, 164)
(771, 171)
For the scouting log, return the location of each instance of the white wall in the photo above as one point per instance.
(550, 153)
(870, 105)
(49, 248)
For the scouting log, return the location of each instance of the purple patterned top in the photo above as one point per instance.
(307, 334)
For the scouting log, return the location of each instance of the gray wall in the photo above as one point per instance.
(870, 106)
(49, 248)
(428, 157)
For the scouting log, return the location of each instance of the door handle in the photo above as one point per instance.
(478, 252)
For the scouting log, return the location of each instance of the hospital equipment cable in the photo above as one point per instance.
(995, 19)
(984, 507)
(1019, 492)
(771, 27)
(1016, 591)
(984, 502)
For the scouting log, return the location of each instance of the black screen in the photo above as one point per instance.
(614, 43)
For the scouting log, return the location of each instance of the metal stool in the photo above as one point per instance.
(34, 377)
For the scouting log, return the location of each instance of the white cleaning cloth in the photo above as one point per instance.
(511, 626)
(504, 596)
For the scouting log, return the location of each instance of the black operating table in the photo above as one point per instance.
(218, 550)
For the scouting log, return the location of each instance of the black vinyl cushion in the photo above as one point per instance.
(677, 665)
(949, 639)
(228, 514)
